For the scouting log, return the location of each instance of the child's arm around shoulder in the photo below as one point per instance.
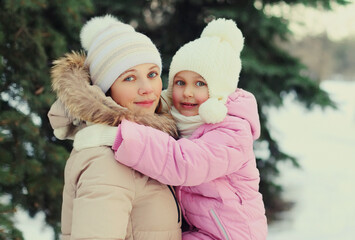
(222, 149)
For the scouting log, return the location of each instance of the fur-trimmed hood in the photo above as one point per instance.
(82, 102)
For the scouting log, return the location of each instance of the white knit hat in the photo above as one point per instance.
(113, 47)
(216, 57)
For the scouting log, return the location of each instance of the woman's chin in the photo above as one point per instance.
(144, 110)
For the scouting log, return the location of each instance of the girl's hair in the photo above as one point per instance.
(159, 108)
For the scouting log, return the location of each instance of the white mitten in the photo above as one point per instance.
(94, 136)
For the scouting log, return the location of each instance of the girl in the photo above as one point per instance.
(103, 199)
(213, 165)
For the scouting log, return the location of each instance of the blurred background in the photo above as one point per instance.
(298, 61)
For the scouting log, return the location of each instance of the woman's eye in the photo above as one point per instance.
(152, 75)
(179, 83)
(128, 79)
(200, 84)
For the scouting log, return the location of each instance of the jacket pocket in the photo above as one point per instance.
(219, 225)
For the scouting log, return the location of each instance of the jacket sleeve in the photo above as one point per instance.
(64, 126)
(219, 151)
(104, 195)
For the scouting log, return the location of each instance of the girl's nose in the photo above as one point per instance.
(188, 92)
(145, 87)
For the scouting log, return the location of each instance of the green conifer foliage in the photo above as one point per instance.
(32, 34)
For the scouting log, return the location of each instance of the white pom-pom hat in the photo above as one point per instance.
(216, 57)
(113, 47)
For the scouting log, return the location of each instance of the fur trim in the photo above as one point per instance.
(71, 82)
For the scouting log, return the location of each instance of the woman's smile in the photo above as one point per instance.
(145, 103)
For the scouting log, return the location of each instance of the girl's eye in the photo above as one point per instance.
(180, 83)
(200, 84)
(152, 75)
(129, 79)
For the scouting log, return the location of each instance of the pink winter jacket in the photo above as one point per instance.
(215, 169)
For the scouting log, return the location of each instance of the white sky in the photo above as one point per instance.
(338, 23)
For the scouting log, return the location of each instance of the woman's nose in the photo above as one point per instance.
(145, 87)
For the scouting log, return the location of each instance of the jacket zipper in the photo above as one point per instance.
(176, 202)
(220, 226)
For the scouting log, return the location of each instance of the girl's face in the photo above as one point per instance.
(138, 88)
(189, 92)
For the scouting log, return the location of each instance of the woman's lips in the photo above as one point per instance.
(188, 105)
(146, 104)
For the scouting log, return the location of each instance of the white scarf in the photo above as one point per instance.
(186, 125)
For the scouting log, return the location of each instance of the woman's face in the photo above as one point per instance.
(138, 88)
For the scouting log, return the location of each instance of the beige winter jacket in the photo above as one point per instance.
(103, 199)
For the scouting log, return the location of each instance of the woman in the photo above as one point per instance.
(103, 199)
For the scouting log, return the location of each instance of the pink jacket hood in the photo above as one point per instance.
(242, 104)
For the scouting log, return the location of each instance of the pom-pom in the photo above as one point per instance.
(93, 27)
(213, 111)
(226, 30)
